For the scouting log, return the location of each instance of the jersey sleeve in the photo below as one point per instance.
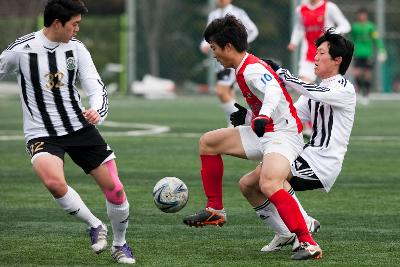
(8, 63)
(302, 108)
(265, 86)
(298, 28)
(342, 24)
(251, 28)
(331, 96)
(91, 83)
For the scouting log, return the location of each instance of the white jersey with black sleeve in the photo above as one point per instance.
(330, 106)
(47, 73)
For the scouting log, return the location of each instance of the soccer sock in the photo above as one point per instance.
(72, 203)
(268, 213)
(212, 170)
(119, 215)
(229, 108)
(303, 212)
(291, 215)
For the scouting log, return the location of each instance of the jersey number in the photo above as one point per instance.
(54, 80)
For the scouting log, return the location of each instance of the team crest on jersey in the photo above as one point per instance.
(71, 63)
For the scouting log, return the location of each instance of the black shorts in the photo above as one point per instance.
(364, 63)
(304, 177)
(226, 77)
(86, 147)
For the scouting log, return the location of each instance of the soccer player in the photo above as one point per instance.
(226, 77)
(311, 19)
(48, 63)
(365, 36)
(331, 108)
(273, 137)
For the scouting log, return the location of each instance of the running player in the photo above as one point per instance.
(48, 63)
(331, 107)
(226, 77)
(273, 137)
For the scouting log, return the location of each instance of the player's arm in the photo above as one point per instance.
(93, 87)
(298, 30)
(382, 55)
(251, 28)
(331, 96)
(266, 87)
(302, 109)
(342, 24)
(8, 64)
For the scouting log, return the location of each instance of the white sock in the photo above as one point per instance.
(269, 214)
(118, 215)
(72, 203)
(229, 108)
(303, 212)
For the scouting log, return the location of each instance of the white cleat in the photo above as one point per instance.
(314, 226)
(280, 241)
(98, 238)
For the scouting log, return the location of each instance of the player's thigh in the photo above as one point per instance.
(222, 141)
(251, 179)
(274, 170)
(50, 170)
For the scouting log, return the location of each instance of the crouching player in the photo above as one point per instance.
(330, 106)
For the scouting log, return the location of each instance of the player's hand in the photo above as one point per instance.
(91, 116)
(259, 124)
(272, 64)
(291, 47)
(238, 117)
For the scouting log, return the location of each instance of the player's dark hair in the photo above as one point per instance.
(62, 10)
(339, 46)
(362, 10)
(227, 30)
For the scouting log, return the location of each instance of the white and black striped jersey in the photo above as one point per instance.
(47, 73)
(330, 106)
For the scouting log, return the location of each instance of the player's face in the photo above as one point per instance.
(221, 55)
(70, 29)
(325, 66)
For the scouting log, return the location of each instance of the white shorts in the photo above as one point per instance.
(288, 145)
(306, 69)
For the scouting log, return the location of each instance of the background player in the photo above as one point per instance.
(274, 135)
(226, 77)
(48, 63)
(311, 19)
(331, 108)
(365, 36)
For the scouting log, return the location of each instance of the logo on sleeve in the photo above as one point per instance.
(71, 63)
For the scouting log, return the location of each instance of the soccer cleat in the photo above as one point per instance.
(205, 217)
(123, 254)
(314, 226)
(307, 251)
(278, 242)
(98, 238)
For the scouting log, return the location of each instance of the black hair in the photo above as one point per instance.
(227, 30)
(339, 46)
(62, 10)
(362, 10)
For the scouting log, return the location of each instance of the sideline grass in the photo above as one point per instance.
(360, 216)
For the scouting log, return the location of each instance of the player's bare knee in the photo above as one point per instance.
(204, 144)
(245, 187)
(56, 188)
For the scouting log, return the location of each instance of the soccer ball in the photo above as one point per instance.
(170, 194)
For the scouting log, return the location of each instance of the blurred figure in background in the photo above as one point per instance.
(365, 37)
(311, 18)
(226, 77)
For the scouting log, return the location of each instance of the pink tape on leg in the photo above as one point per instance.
(112, 195)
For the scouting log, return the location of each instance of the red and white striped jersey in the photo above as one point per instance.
(311, 21)
(47, 73)
(266, 95)
(330, 106)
